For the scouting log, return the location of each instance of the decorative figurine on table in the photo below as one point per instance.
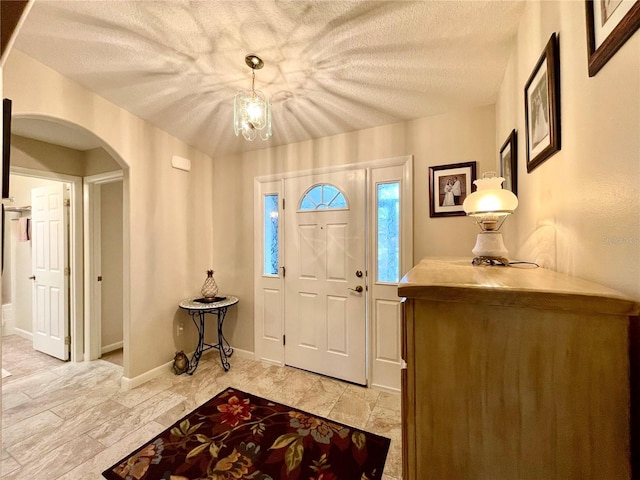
(210, 287)
(180, 363)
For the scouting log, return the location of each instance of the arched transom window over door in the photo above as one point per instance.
(323, 196)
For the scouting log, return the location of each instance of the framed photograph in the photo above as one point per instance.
(610, 23)
(509, 163)
(6, 145)
(449, 185)
(542, 106)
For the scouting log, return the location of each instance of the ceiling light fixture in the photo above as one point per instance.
(252, 110)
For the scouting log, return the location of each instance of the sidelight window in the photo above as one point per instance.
(270, 234)
(388, 234)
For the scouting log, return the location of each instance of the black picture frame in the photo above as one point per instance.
(442, 177)
(6, 146)
(509, 162)
(542, 106)
(609, 26)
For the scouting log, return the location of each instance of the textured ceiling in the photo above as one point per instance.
(330, 66)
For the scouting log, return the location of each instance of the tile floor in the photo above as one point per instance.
(72, 420)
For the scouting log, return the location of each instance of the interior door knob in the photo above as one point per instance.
(32, 277)
(358, 289)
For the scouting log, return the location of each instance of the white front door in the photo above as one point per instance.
(325, 314)
(49, 258)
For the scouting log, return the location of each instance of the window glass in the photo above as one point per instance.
(271, 234)
(388, 207)
(323, 197)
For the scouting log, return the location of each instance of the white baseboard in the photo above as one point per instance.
(384, 388)
(245, 354)
(112, 347)
(129, 383)
(23, 333)
(8, 322)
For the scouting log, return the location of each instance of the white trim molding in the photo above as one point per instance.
(92, 259)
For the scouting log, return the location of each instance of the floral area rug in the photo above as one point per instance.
(236, 435)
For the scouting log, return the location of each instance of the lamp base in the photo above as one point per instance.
(490, 261)
(490, 248)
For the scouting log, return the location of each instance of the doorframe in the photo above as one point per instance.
(274, 184)
(76, 302)
(93, 261)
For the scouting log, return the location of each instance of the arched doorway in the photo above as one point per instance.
(88, 156)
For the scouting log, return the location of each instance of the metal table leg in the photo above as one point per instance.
(223, 346)
(195, 359)
(225, 351)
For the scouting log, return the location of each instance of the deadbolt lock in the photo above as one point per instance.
(359, 273)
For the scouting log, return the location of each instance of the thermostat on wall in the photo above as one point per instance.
(181, 163)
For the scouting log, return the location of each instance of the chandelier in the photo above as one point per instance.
(251, 109)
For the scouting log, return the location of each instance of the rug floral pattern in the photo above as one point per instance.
(236, 436)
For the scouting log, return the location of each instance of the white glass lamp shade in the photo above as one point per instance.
(490, 204)
(252, 115)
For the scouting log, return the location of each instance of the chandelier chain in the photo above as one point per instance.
(253, 83)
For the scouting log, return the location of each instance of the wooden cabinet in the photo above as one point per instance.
(513, 373)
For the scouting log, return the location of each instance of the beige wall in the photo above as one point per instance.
(452, 138)
(37, 155)
(168, 218)
(111, 260)
(98, 161)
(579, 210)
(44, 156)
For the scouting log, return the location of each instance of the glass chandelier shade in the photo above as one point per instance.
(252, 109)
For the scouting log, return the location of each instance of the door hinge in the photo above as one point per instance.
(284, 271)
(67, 271)
(284, 340)
(99, 278)
(283, 203)
(67, 340)
(67, 202)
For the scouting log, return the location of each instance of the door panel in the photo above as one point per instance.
(325, 322)
(49, 259)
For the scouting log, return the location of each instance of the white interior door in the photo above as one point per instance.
(49, 257)
(325, 315)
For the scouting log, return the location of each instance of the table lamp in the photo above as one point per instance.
(490, 205)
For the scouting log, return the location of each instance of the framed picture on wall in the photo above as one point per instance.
(509, 163)
(6, 145)
(610, 23)
(542, 106)
(449, 185)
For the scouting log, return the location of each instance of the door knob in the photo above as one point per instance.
(358, 289)
(32, 277)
